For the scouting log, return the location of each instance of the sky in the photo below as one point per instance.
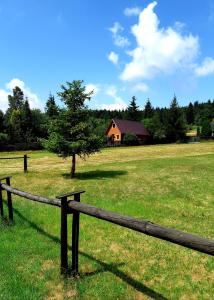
(120, 49)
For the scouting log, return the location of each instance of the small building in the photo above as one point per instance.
(118, 128)
(192, 136)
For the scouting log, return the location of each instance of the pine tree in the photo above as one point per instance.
(133, 110)
(70, 134)
(190, 114)
(175, 128)
(148, 110)
(51, 109)
(26, 122)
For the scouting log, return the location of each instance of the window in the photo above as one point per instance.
(113, 125)
(118, 136)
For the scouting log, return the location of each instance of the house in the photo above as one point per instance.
(118, 128)
(192, 136)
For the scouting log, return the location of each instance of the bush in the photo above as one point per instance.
(3, 138)
(130, 139)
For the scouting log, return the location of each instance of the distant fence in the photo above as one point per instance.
(24, 157)
(75, 207)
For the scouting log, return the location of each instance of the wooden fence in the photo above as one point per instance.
(24, 157)
(74, 207)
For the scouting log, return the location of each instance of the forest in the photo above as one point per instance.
(24, 128)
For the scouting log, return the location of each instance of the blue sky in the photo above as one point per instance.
(150, 49)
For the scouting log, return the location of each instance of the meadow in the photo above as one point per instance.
(171, 185)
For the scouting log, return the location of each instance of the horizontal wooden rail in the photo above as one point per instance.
(54, 202)
(17, 157)
(172, 235)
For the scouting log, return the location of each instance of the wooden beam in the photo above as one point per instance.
(174, 236)
(54, 202)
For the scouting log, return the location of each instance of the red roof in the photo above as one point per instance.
(126, 126)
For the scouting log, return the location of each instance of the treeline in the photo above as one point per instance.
(23, 128)
(166, 125)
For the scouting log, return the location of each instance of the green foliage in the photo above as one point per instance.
(51, 108)
(190, 114)
(3, 138)
(132, 112)
(130, 139)
(206, 130)
(70, 133)
(175, 129)
(148, 110)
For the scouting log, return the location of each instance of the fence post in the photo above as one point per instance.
(9, 201)
(64, 236)
(75, 238)
(25, 163)
(1, 202)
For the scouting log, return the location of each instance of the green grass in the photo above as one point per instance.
(171, 185)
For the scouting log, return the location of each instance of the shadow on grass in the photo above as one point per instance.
(96, 174)
(112, 268)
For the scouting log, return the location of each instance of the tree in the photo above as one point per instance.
(133, 110)
(175, 129)
(190, 114)
(206, 129)
(51, 109)
(13, 115)
(26, 122)
(148, 110)
(1, 121)
(70, 134)
(16, 100)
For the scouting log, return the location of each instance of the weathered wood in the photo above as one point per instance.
(25, 163)
(9, 201)
(75, 238)
(1, 203)
(30, 196)
(174, 236)
(64, 236)
(17, 157)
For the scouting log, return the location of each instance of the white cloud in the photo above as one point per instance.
(113, 57)
(132, 11)
(32, 97)
(119, 40)
(118, 104)
(3, 100)
(158, 49)
(92, 87)
(206, 68)
(141, 87)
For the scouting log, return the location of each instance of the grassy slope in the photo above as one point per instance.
(170, 185)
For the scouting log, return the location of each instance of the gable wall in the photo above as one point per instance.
(114, 131)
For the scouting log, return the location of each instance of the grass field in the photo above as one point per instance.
(171, 185)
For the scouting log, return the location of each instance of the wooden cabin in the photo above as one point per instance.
(118, 128)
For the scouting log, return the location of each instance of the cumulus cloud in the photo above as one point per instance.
(3, 100)
(113, 57)
(92, 87)
(141, 87)
(158, 49)
(118, 103)
(119, 40)
(206, 68)
(32, 97)
(132, 11)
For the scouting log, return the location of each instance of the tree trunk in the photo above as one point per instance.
(73, 166)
